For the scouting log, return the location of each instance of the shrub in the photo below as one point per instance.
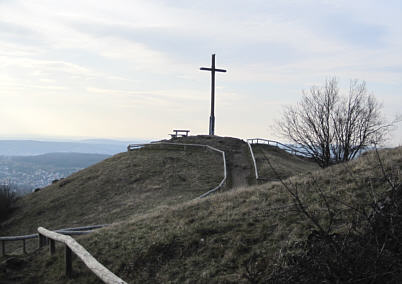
(7, 200)
(371, 255)
(368, 250)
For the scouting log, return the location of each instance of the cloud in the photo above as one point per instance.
(140, 59)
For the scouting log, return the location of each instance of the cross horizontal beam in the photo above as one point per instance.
(212, 69)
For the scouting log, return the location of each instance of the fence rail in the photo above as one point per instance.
(72, 246)
(132, 147)
(254, 161)
(273, 143)
(65, 231)
(285, 147)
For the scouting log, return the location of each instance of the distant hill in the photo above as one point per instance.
(28, 172)
(61, 160)
(32, 147)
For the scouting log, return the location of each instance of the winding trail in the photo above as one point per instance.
(240, 167)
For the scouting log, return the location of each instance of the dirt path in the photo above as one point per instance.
(240, 169)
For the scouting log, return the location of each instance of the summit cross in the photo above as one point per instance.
(212, 70)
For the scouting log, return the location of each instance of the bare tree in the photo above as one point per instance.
(331, 128)
(357, 123)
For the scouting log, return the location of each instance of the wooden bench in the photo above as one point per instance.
(179, 133)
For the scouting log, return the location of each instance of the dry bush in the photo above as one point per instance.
(7, 200)
(367, 249)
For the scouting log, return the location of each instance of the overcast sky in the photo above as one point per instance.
(130, 69)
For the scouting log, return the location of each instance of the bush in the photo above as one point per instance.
(7, 200)
(367, 251)
(372, 255)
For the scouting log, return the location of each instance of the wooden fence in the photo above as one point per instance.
(254, 161)
(273, 143)
(72, 246)
(65, 231)
(285, 147)
(132, 147)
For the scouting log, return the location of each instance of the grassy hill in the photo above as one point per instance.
(121, 186)
(236, 236)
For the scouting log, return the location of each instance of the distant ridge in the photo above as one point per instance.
(33, 147)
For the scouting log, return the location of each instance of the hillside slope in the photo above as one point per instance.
(231, 237)
(116, 188)
(284, 165)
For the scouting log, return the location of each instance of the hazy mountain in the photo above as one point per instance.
(32, 147)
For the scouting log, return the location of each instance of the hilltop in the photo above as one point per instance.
(229, 237)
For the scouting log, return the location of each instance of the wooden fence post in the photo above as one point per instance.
(52, 246)
(24, 249)
(69, 267)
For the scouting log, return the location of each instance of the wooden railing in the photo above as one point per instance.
(273, 143)
(16, 238)
(66, 231)
(285, 147)
(132, 147)
(72, 246)
(254, 161)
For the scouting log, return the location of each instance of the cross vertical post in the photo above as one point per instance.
(212, 116)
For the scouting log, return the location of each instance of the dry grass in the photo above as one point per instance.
(239, 164)
(218, 239)
(127, 184)
(286, 165)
